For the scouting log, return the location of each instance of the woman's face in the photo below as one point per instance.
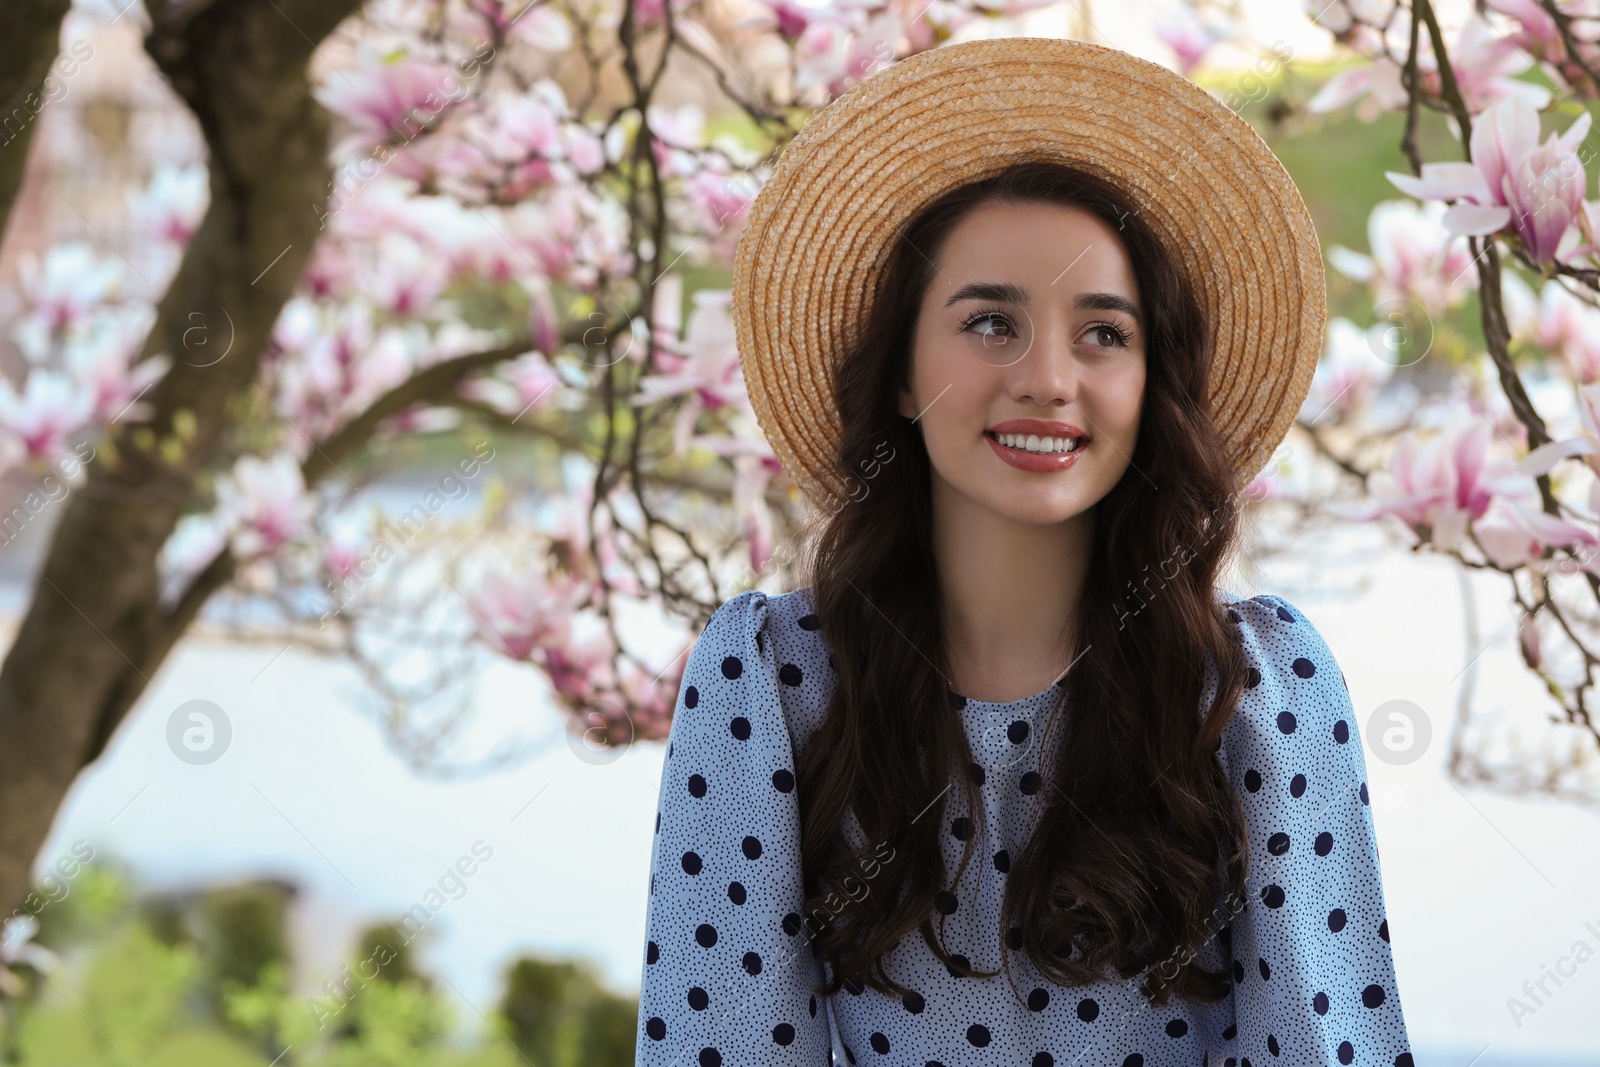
(1030, 333)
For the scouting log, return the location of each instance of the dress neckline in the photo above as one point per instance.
(962, 701)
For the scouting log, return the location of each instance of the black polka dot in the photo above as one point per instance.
(879, 1043)
(1029, 783)
(1373, 995)
(1272, 1044)
(789, 674)
(1286, 721)
(1297, 786)
(736, 892)
(752, 962)
(691, 863)
(1014, 937)
(1134, 1060)
(691, 697)
(697, 786)
(1177, 1028)
(961, 828)
(1017, 732)
(1278, 843)
(1383, 930)
(732, 667)
(1266, 971)
(977, 774)
(656, 1028)
(783, 781)
(1304, 667)
(1346, 1052)
(1272, 896)
(710, 1057)
(1002, 861)
(1252, 678)
(1319, 1003)
(1341, 731)
(1038, 1000)
(791, 924)
(783, 1034)
(698, 999)
(958, 961)
(1323, 844)
(1336, 919)
(739, 727)
(751, 848)
(1252, 780)
(946, 902)
(809, 621)
(652, 952)
(1043, 1059)
(1088, 1009)
(1284, 614)
(706, 935)
(977, 1035)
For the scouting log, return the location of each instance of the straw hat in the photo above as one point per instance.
(818, 234)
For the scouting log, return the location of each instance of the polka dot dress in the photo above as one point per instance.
(729, 965)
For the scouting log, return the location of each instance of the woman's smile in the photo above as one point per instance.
(1037, 444)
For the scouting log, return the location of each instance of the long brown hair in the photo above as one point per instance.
(1122, 869)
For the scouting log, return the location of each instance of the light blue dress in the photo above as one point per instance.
(729, 968)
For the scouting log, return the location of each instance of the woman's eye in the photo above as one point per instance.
(1112, 336)
(1005, 329)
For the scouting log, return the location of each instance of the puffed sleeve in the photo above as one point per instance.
(1314, 979)
(728, 967)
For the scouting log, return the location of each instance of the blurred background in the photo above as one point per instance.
(373, 447)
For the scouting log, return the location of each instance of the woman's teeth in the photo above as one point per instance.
(1035, 443)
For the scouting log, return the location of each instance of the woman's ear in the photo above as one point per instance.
(906, 403)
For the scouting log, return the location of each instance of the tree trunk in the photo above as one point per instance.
(94, 633)
(28, 46)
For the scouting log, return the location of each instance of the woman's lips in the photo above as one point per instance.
(1042, 462)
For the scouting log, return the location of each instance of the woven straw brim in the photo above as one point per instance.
(818, 234)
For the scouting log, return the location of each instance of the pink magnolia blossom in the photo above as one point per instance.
(1374, 87)
(710, 378)
(1347, 376)
(651, 698)
(1438, 485)
(754, 466)
(171, 206)
(518, 613)
(1181, 30)
(264, 504)
(679, 132)
(1486, 66)
(388, 97)
(1558, 322)
(1414, 258)
(786, 17)
(100, 366)
(1513, 179)
(1515, 535)
(51, 407)
(527, 383)
(61, 295)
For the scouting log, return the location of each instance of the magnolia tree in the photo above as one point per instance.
(1479, 439)
(472, 222)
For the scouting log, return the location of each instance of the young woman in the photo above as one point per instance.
(1012, 781)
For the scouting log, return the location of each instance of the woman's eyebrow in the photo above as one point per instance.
(1009, 293)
